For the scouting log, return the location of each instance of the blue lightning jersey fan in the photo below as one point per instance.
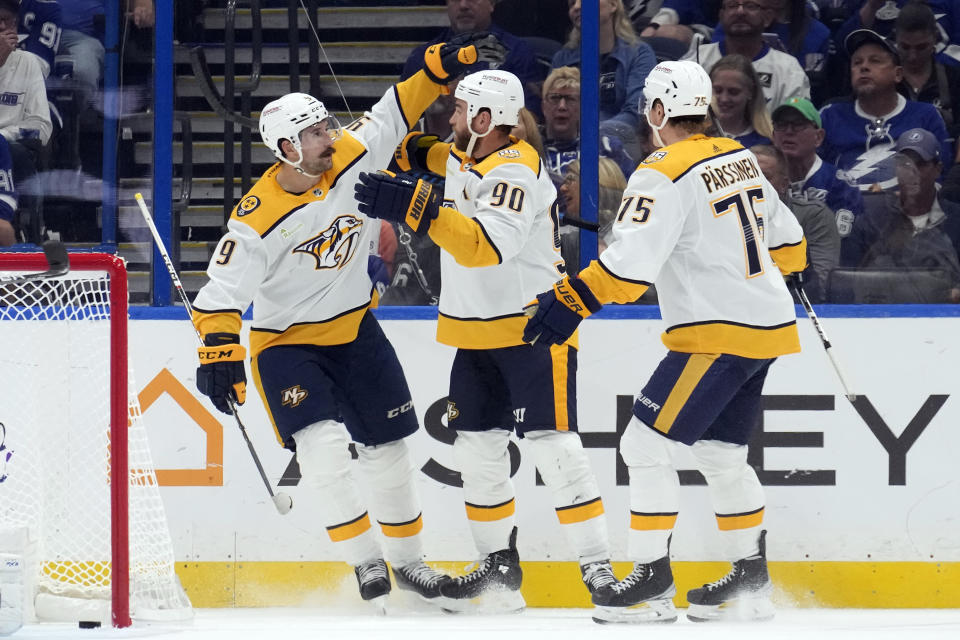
(821, 184)
(39, 30)
(861, 146)
(8, 194)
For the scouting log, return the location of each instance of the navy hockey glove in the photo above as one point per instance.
(398, 199)
(557, 313)
(446, 61)
(220, 375)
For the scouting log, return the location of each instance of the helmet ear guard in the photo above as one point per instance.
(285, 118)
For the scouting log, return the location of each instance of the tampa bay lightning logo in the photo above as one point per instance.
(334, 246)
(5, 454)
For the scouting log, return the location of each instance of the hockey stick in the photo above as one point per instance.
(281, 501)
(805, 301)
(58, 264)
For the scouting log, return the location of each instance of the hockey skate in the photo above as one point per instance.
(493, 586)
(599, 578)
(646, 595)
(741, 595)
(421, 579)
(374, 582)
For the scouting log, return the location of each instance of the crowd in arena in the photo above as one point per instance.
(850, 106)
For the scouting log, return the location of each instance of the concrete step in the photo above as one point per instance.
(274, 86)
(336, 52)
(337, 18)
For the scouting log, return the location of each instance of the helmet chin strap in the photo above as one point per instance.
(296, 165)
(474, 136)
(656, 130)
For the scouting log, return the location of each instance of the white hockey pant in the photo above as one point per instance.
(565, 469)
(325, 467)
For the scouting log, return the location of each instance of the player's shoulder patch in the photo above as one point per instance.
(656, 156)
(248, 205)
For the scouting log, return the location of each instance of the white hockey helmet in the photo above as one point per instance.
(284, 119)
(683, 87)
(499, 91)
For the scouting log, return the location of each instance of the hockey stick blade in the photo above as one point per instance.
(58, 264)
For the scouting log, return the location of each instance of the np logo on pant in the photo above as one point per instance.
(293, 396)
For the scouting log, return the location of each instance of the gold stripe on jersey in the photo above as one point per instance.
(402, 529)
(559, 354)
(790, 258)
(414, 95)
(225, 321)
(491, 513)
(463, 238)
(580, 512)
(517, 152)
(437, 158)
(609, 287)
(347, 530)
(338, 330)
(736, 339)
(652, 521)
(697, 366)
(486, 333)
(735, 521)
(684, 155)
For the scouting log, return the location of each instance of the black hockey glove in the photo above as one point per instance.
(446, 61)
(398, 199)
(557, 313)
(220, 375)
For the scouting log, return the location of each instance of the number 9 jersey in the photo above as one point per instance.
(700, 220)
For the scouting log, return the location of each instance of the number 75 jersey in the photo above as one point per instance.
(699, 219)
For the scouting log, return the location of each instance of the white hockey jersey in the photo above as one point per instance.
(699, 219)
(302, 258)
(500, 250)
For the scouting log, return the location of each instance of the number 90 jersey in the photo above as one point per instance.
(700, 220)
(511, 197)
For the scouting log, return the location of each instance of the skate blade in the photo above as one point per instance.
(649, 612)
(740, 610)
(379, 604)
(492, 602)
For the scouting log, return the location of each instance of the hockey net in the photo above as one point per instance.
(78, 491)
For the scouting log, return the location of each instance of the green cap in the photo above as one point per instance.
(804, 106)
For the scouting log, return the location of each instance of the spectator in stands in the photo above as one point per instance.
(924, 77)
(561, 128)
(476, 15)
(744, 22)
(39, 30)
(625, 62)
(802, 36)
(881, 15)
(561, 118)
(914, 227)
(798, 133)
(817, 221)
(528, 130)
(860, 134)
(738, 101)
(24, 113)
(8, 196)
(611, 185)
(82, 40)
(675, 19)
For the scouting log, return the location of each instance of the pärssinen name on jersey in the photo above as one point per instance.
(728, 173)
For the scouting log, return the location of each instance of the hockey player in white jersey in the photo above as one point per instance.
(497, 226)
(297, 248)
(699, 219)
